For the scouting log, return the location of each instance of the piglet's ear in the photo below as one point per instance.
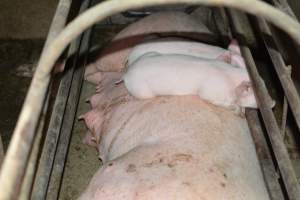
(243, 89)
(234, 46)
(226, 57)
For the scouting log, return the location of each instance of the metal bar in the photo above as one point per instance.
(1, 151)
(285, 110)
(18, 154)
(261, 92)
(282, 71)
(222, 25)
(68, 122)
(264, 155)
(284, 7)
(284, 117)
(279, 37)
(52, 135)
(21, 143)
(56, 123)
(32, 164)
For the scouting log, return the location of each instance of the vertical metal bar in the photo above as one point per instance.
(282, 71)
(264, 155)
(14, 165)
(284, 117)
(11, 190)
(280, 151)
(32, 164)
(284, 7)
(52, 135)
(56, 122)
(285, 110)
(68, 122)
(1, 150)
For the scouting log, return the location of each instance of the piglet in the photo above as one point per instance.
(217, 82)
(168, 23)
(175, 45)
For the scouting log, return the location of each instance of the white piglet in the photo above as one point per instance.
(174, 45)
(214, 81)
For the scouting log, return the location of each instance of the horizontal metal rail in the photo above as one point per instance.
(21, 144)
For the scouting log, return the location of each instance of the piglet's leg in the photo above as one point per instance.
(94, 78)
(94, 120)
(92, 74)
(89, 139)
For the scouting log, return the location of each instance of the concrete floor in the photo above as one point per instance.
(82, 161)
(21, 40)
(13, 54)
(24, 19)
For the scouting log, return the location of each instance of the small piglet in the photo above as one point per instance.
(217, 82)
(175, 45)
(167, 23)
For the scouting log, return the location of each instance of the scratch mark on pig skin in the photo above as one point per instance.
(186, 183)
(223, 184)
(170, 162)
(179, 158)
(131, 168)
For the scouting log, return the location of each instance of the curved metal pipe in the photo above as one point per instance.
(21, 143)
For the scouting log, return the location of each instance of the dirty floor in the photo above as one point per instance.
(17, 58)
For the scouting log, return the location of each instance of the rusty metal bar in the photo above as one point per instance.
(282, 71)
(264, 103)
(21, 144)
(264, 156)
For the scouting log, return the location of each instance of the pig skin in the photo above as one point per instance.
(175, 45)
(168, 23)
(176, 147)
(173, 74)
